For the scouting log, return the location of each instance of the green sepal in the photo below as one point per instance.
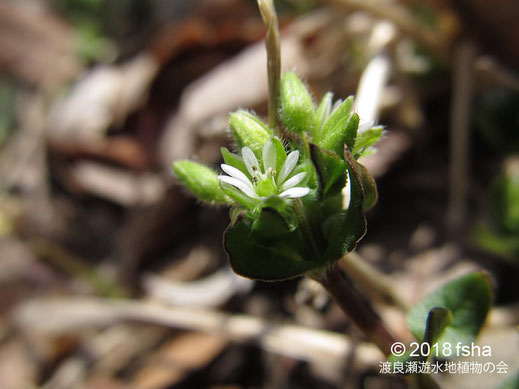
(322, 114)
(274, 221)
(310, 179)
(344, 229)
(469, 300)
(275, 261)
(297, 108)
(234, 160)
(330, 169)
(343, 133)
(365, 140)
(369, 186)
(280, 151)
(201, 180)
(238, 196)
(339, 113)
(249, 131)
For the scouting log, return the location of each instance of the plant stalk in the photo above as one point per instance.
(268, 14)
(355, 307)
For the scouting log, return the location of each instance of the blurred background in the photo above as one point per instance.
(113, 276)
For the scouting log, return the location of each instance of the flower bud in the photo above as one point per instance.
(344, 132)
(249, 131)
(297, 108)
(339, 112)
(322, 114)
(201, 180)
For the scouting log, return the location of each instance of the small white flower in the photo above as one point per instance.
(267, 181)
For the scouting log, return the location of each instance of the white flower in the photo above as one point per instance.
(266, 181)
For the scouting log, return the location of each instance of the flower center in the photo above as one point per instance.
(264, 183)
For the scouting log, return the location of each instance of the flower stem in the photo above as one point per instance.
(355, 307)
(268, 14)
(365, 319)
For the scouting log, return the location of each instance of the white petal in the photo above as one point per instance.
(238, 193)
(293, 181)
(269, 156)
(236, 173)
(288, 166)
(365, 125)
(292, 193)
(336, 105)
(250, 160)
(240, 185)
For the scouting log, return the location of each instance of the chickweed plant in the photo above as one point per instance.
(285, 184)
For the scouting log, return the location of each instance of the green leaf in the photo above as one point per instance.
(437, 321)
(273, 262)
(367, 139)
(344, 132)
(337, 115)
(468, 298)
(201, 180)
(330, 171)
(323, 111)
(345, 229)
(297, 108)
(249, 131)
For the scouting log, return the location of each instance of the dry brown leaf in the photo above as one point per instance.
(177, 358)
